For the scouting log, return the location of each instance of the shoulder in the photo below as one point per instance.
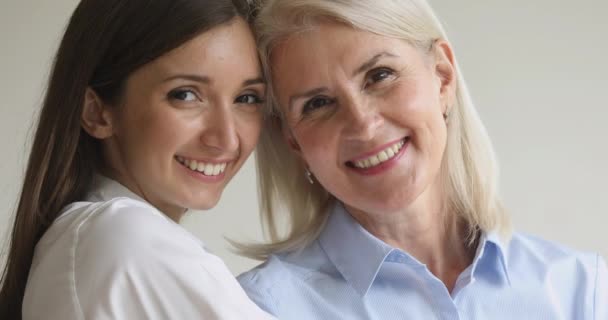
(260, 283)
(534, 259)
(110, 229)
(546, 252)
(123, 259)
(266, 275)
(123, 225)
(102, 251)
(282, 268)
(282, 275)
(571, 275)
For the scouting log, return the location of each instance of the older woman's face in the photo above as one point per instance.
(365, 112)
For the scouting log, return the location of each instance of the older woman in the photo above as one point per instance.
(389, 180)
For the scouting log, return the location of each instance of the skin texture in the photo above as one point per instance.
(343, 100)
(201, 101)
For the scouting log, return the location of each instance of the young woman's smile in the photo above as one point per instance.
(189, 120)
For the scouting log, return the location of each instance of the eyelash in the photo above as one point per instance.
(309, 108)
(175, 95)
(178, 94)
(370, 80)
(256, 99)
(388, 72)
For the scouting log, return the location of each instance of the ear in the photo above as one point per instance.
(96, 119)
(445, 70)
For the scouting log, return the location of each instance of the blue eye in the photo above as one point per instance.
(183, 95)
(249, 99)
(316, 103)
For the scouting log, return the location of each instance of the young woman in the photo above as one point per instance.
(152, 107)
(388, 177)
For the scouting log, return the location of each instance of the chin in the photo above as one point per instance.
(392, 202)
(207, 205)
(205, 202)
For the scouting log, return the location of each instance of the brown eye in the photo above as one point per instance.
(249, 99)
(316, 103)
(379, 75)
(183, 95)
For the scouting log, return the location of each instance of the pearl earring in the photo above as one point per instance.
(309, 176)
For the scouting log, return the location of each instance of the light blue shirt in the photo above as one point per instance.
(347, 273)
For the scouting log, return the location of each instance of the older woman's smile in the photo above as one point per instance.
(379, 159)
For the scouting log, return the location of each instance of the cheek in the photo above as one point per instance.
(319, 148)
(159, 130)
(249, 127)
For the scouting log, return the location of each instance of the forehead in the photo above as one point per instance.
(209, 52)
(225, 42)
(326, 41)
(327, 52)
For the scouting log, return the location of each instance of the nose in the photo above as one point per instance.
(361, 119)
(220, 129)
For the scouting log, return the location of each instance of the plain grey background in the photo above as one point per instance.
(537, 70)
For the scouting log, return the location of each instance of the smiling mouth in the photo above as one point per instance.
(208, 169)
(378, 158)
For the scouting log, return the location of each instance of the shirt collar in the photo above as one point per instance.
(104, 189)
(356, 253)
(493, 252)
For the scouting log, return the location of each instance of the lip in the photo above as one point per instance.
(386, 165)
(200, 176)
(376, 150)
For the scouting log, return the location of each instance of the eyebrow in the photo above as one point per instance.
(207, 80)
(372, 62)
(250, 82)
(192, 77)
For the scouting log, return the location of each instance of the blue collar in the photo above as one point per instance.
(358, 255)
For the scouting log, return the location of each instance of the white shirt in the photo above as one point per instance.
(115, 256)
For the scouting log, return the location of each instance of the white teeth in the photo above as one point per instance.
(208, 169)
(374, 160)
(200, 167)
(379, 157)
(383, 156)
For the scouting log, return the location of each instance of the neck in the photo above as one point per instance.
(428, 231)
(172, 212)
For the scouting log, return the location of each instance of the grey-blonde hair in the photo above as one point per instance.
(468, 171)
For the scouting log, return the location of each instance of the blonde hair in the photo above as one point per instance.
(468, 171)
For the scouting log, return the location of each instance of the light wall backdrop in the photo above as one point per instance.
(538, 72)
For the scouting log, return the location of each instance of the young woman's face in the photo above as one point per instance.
(365, 112)
(188, 120)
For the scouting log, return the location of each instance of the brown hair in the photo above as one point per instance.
(105, 41)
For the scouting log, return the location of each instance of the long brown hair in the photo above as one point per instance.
(105, 41)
